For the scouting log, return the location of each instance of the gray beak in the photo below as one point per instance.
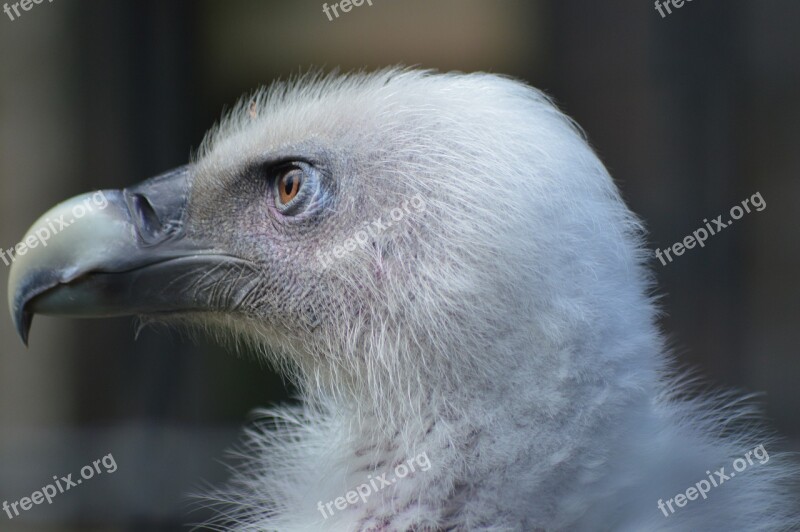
(117, 253)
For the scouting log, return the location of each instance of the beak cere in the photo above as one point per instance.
(117, 253)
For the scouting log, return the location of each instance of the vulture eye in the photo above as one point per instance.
(289, 182)
(295, 187)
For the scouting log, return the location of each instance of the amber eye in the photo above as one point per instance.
(289, 183)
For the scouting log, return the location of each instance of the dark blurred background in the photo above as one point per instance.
(692, 113)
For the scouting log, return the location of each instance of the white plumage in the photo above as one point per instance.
(505, 330)
(446, 270)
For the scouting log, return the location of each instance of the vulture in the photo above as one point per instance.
(446, 270)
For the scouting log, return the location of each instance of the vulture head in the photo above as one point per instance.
(445, 268)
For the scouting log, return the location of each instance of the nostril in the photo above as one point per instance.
(156, 207)
(147, 221)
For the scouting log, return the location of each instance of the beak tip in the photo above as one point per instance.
(23, 321)
(20, 295)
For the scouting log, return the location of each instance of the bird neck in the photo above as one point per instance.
(524, 425)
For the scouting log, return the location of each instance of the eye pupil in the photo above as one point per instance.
(289, 185)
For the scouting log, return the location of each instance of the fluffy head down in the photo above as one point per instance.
(466, 282)
(482, 222)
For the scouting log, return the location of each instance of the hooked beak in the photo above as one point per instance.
(118, 253)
